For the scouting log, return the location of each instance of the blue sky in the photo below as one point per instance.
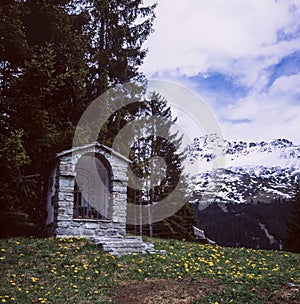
(241, 56)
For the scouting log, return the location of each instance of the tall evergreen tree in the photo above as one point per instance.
(157, 139)
(116, 32)
(13, 155)
(292, 241)
(42, 92)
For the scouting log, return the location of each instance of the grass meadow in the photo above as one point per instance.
(73, 270)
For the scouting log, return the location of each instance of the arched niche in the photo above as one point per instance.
(92, 190)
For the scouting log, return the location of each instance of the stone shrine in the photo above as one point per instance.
(87, 197)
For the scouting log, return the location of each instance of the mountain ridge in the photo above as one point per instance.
(251, 172)
(282, 152)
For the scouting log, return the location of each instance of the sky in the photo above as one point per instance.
(241, 57)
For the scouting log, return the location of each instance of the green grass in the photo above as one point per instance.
(74, 271)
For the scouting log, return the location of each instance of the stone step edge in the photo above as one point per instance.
(126, 245)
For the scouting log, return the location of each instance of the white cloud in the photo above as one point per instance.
(286, 85)
(266, 127)
(194, 36)
(273, 114)
(242, 38)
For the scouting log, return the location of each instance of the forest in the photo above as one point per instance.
(243, 225)
(56, 58)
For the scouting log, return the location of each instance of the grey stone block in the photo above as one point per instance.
(90, 225)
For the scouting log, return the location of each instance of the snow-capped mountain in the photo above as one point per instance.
(241, 172)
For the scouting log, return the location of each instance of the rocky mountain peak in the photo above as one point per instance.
(278, 152)
(251, 171)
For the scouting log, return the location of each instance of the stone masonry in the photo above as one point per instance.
(62, 201)
(110, 233)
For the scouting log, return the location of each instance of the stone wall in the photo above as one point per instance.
(89, 228)
(63, 201)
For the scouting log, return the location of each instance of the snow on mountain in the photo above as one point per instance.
(242, 172)
(279, 152)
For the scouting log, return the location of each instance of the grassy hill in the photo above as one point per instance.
(74, 271)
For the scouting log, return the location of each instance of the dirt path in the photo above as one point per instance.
(163, 291)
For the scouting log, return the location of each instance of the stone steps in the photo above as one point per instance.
(124, 245)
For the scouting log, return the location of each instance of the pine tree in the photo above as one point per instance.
(292, 241)
(116, 30)
(12, 159)
(156, 139)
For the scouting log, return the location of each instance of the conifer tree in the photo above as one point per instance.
(292, 241)
(157, 139)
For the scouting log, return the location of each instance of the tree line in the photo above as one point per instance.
(241, 224)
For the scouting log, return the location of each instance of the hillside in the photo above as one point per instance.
(74, 270)
(257, 226)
